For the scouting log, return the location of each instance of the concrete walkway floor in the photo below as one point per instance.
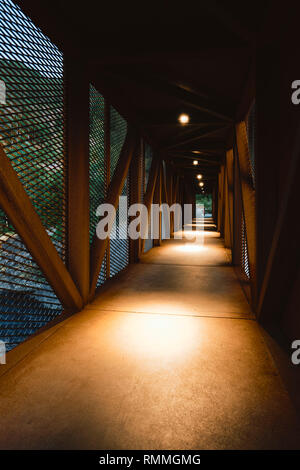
(168, 356)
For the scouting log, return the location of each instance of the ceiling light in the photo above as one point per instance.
(183, 119)
(199, 177)
(195, 162)
(196, 151)
(201, 184)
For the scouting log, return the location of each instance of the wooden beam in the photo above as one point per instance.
(197, 137)
(108, 175)
(284, 257)
(20, 211)
(164, 187)
(190, 156)
(248, 93)
(210, 148)
(163, 87)
(227, 238)
(98, 247)
(203, 161)
(162, 57)
(248, 197)
(136, 175)
(188, 131)
(77, 132)
(150, 190)
(175, 193)
(157, 199)
(176, 125)
(220, 195)
(237, 226)
(229, 179)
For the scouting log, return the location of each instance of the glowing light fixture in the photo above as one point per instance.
(199, 177)
(196, 151)
(201, 184)
(184, 119)
(195, 162)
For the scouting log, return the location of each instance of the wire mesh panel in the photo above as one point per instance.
(119, 243)
(31, 133)
(32, 116)
(118, 131)
(163, 216)
(244, 250)
(97, 165)
(27, 302)
(148, 162)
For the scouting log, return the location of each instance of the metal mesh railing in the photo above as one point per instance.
(31, 133)
(27, 302)
(148, 161)
(118, 131)
(119, 243)
(97, 166)
(32, 115)
(244, 251)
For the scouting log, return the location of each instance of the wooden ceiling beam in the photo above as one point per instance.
(184, 97)
(203, 156)
(160, 57)
(190, 131)
(174, 124)
(209, 147)
(199, 137)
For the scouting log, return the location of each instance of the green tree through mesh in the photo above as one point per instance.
(32, 119)
(31, 133)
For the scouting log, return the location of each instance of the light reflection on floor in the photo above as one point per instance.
(156, 336)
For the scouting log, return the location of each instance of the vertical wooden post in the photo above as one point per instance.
(222, 200)
(157, 200)
(229, 164)
(228, 231)
(237, 217)
(107, 165)
(98, 247)
(77, 143)
(136, 174)
(248, 197)
(154, 170)
(226, 211)
(220, 192)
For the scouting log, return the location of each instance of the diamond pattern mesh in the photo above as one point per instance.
(31, 133)
(119, 246)
(27, 302)
(97, 165)
(244, 253)
(32, 116)
(148, 161)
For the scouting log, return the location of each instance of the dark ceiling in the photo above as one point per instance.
(155, 60)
